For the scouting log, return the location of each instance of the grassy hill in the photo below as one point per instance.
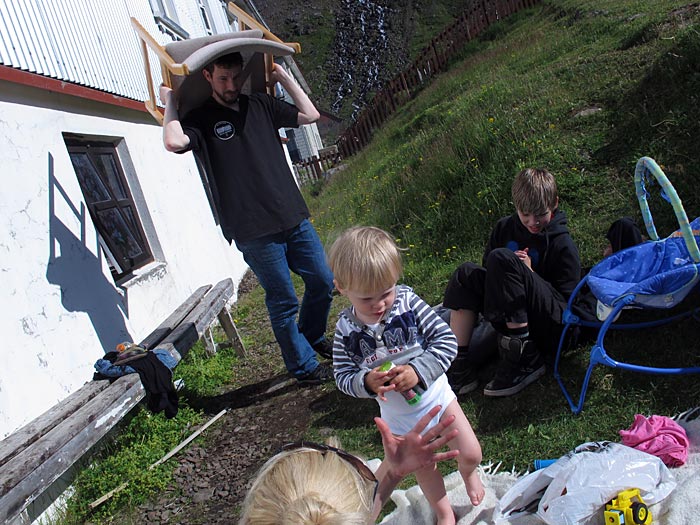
(582, 87)
(349, 49)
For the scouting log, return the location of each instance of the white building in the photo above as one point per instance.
(105, 233)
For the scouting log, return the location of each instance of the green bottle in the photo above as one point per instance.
(411, 396)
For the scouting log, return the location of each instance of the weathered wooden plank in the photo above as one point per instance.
(174, 319)
(32, 431)
(27, 474)
(191, 329)
(231, 331)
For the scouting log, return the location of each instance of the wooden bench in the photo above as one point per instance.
(36, 455)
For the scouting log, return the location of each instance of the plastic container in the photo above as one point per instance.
(411, 396)
(543, 463)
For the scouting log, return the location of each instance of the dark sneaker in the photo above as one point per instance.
(521, 365)
(462, 377)
(324, 348)
(322, 374)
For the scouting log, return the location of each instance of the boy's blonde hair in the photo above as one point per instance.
(365, 259)
(535, 191)
(308, 487)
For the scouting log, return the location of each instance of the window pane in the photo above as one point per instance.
(120, 235)
(92, 186)
(108, 169)
(131, 219)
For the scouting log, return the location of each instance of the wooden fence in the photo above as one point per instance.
(312, 169)
(432, 60)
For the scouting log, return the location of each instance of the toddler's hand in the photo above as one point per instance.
(405, 377)
(378, 382)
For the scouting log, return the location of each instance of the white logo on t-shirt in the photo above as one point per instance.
(224, 130)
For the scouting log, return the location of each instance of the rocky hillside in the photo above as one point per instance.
(350, 48)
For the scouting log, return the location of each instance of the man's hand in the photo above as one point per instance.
(165, 94)
(279, 74)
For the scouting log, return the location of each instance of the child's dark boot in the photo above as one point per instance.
(521, 364)
(462, 374)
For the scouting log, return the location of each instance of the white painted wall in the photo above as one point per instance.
(61, 310)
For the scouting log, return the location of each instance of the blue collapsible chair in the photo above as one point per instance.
(657, 274)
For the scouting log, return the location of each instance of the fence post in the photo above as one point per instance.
(366, 135)
(390, 92)
(316, 165)
(438, 62)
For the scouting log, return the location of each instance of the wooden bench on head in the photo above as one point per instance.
(35, 456)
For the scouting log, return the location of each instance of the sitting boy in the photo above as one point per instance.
(530, 268)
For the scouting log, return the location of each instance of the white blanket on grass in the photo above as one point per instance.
(681, 507)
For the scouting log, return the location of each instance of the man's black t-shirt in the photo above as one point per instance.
(254, 190)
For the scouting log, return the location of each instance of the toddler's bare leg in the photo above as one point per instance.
(432, 485)
(469, 453)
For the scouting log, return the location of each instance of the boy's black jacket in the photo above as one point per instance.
(553, 253)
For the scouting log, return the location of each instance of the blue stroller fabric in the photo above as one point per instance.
(660, 274)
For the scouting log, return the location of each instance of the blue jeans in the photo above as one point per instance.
(271, 258)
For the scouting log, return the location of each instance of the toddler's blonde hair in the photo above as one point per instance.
(308, 487)
(365, 259)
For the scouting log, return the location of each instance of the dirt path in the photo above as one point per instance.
(213, 474)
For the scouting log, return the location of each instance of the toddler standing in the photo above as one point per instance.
(389, 323)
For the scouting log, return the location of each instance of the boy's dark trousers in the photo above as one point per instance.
(506, 290)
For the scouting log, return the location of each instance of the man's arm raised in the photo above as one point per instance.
(308, 113)
(174, 139)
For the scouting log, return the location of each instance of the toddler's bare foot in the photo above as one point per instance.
(475, 489)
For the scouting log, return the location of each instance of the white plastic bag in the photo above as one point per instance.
(579, 484)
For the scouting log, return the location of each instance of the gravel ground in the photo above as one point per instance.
(213, 475)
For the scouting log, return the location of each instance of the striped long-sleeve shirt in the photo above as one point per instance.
(412, 333)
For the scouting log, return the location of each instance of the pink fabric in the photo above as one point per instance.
(660, 436)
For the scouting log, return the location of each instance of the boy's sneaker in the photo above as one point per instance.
(323, 373)
(521, 364)
(462, 377)
(324, 348)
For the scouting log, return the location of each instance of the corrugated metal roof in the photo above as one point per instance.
(87, 42)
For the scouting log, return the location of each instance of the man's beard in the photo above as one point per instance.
(229, 97)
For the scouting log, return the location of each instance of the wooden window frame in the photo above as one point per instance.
(121, 264)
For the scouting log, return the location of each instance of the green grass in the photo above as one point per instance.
(438, 175)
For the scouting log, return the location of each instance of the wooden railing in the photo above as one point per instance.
(312, 169)
(432, 60)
